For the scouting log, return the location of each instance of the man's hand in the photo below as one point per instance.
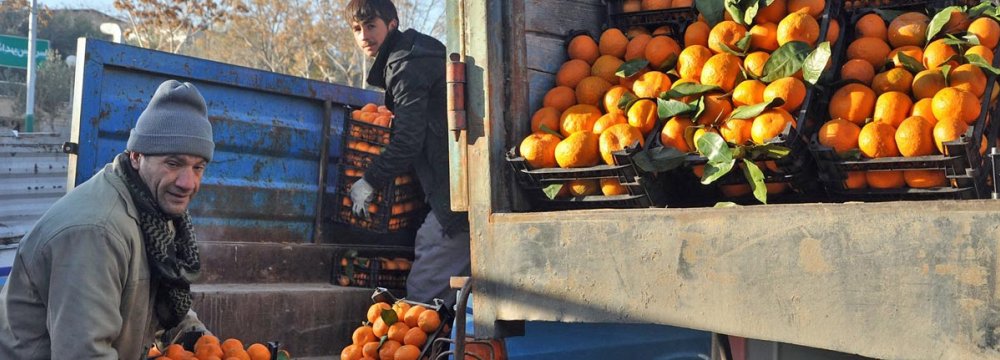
(361, 195)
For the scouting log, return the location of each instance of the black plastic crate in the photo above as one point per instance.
(677, 19)
(380, 220)
(965, 169)
(368, 268)
(362, 142)
(392, 194)
(356, 158)
(433, 348)
(371, 133)
(643, 188)
(380, 229)
(686, 190)
(973, 188)
(865, 6)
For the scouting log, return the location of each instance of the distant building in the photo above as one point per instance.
(93, 16)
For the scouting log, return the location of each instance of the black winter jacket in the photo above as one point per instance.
(410, 67)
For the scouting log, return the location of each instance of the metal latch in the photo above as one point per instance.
(994, 156)
(71, 148)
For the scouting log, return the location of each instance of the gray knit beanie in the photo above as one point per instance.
(174, 122)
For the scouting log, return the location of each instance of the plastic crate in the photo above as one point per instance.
(398, 192)
(796, 187)
(966, 170)
(357, 159)
(643, 188)
(397, 206)
(367, 268)
(676, 18)
(865, 6)
(433, 348)
(371, 133)
(380, 221)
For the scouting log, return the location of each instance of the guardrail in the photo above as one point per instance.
(32, 178)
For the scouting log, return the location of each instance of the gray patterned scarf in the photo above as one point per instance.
(172, 255)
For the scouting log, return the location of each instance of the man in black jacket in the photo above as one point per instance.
(410, 67)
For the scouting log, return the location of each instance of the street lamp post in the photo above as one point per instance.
(29, 109)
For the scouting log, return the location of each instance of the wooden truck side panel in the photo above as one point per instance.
(889, 280)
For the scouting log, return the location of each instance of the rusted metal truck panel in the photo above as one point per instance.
(277, 136)
(903, 280)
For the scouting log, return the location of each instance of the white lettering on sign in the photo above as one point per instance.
(4, 48)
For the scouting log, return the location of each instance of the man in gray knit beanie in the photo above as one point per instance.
(111, 263)
(174, 122)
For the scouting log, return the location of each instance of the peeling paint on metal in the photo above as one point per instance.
(758, 276)
(811, 257)
(970, 275)
(262, 184)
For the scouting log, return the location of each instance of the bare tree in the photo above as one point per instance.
(169, 24)
(307, 38)
(426, 16)
(14, 16)
(345, 63)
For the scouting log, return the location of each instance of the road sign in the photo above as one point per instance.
(14, 51)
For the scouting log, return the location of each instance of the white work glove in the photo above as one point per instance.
(361, 195)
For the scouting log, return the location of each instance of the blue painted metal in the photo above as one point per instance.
(262, 184)
(7, 254)
(585, 341)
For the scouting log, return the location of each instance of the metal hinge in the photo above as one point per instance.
(459, 146)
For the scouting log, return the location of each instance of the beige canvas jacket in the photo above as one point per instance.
(80, 284)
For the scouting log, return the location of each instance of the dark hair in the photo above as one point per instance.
(366, 10)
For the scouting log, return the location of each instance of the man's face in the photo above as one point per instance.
(371, 34)
(173, 179)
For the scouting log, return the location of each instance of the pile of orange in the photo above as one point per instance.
(583, 114)
(889, 110)
(706, 59)
(580, 124)
(377, 115)
(397, 336)
(208, 347)
(373, 114)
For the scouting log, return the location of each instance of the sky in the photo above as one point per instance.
(102, 5)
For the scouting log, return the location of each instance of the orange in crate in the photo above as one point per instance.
(373, 114)
(207, 347)
(401, 341)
